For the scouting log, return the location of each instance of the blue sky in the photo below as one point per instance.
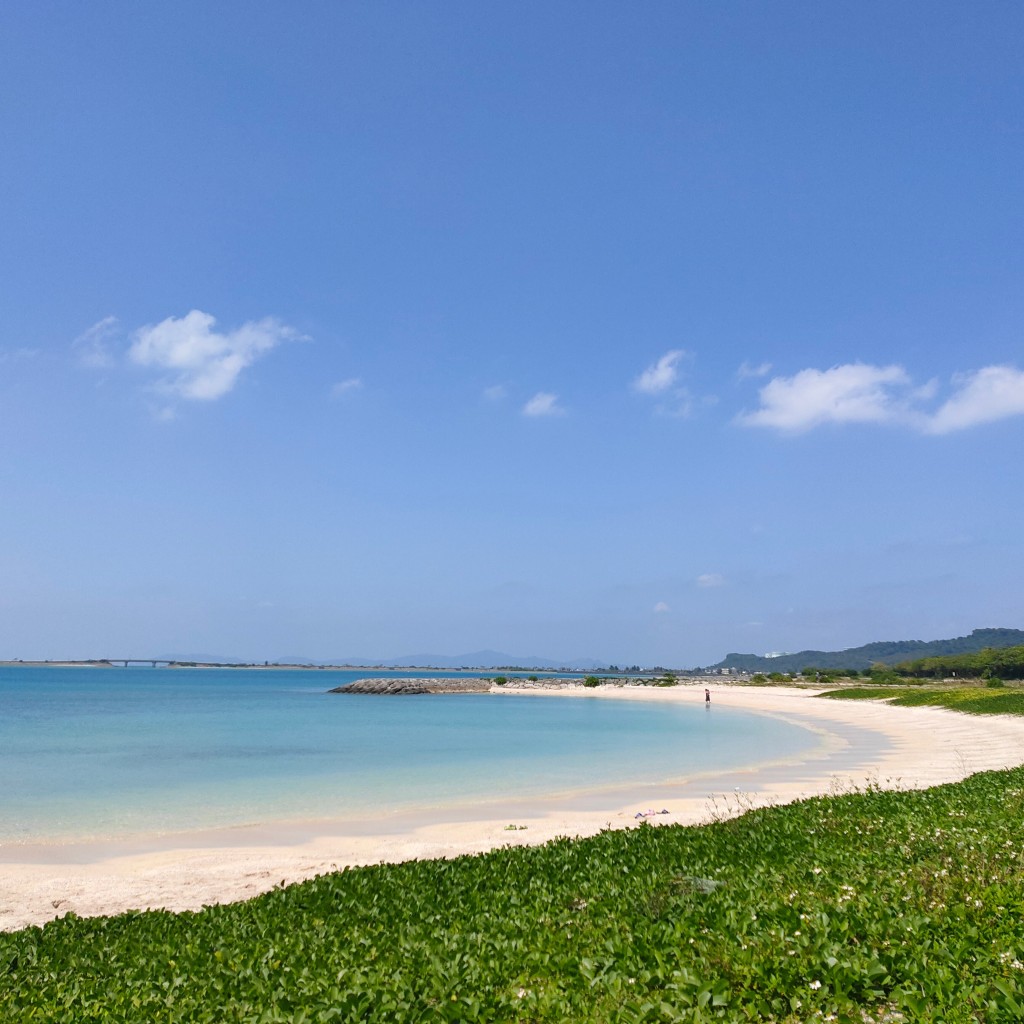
(639, 332)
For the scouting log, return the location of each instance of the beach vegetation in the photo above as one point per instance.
(1001, 662)
(863, 905)
(883, 674)
(500, 680)
(886, 651)
(592, 681)
(991, 663)
(975, 700)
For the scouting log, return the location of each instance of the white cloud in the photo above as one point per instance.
(17, 355)
(682, 406)
(344, 387)
(661, 379)
(660, 608)
(205, 363)
(710, 579)
(747, 370)
(861, 393)
(93, 345)
(543, 404)
(989, 394)
(852, 393)
(660, 376)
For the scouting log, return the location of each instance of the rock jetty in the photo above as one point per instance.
(403, 687)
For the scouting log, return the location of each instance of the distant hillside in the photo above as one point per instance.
(202, 659)
(886, 652)
(476, 659)
(479, 659)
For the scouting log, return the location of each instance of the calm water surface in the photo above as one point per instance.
(88, 753)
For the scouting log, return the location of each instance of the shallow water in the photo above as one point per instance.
(102, 753)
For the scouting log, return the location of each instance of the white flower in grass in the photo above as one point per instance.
(815, 985)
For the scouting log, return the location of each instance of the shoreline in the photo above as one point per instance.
(862, 743)
(284, 666)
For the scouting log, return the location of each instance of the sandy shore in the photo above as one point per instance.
(859, 743)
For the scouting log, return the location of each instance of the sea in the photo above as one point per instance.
(108, 753)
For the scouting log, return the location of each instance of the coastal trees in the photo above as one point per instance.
(1001, 662)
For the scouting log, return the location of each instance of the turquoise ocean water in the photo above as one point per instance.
(89, 753)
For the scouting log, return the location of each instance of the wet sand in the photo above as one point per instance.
(859, 743)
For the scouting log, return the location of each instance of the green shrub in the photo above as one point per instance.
(592, 681)
(500, 680)
(883, 675)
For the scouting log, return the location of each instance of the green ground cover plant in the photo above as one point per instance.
(867, 906)
(974, 700)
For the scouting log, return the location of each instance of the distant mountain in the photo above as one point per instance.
(885, 652)
(203, 659)
(477, 659)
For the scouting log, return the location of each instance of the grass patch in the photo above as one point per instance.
(874, 902)
(973, 700)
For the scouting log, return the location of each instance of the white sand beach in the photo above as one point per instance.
(914, 748)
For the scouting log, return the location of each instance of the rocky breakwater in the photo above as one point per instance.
(403, 687)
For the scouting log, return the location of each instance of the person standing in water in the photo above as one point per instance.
(707, 697)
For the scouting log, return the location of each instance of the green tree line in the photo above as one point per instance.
(992, 662)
